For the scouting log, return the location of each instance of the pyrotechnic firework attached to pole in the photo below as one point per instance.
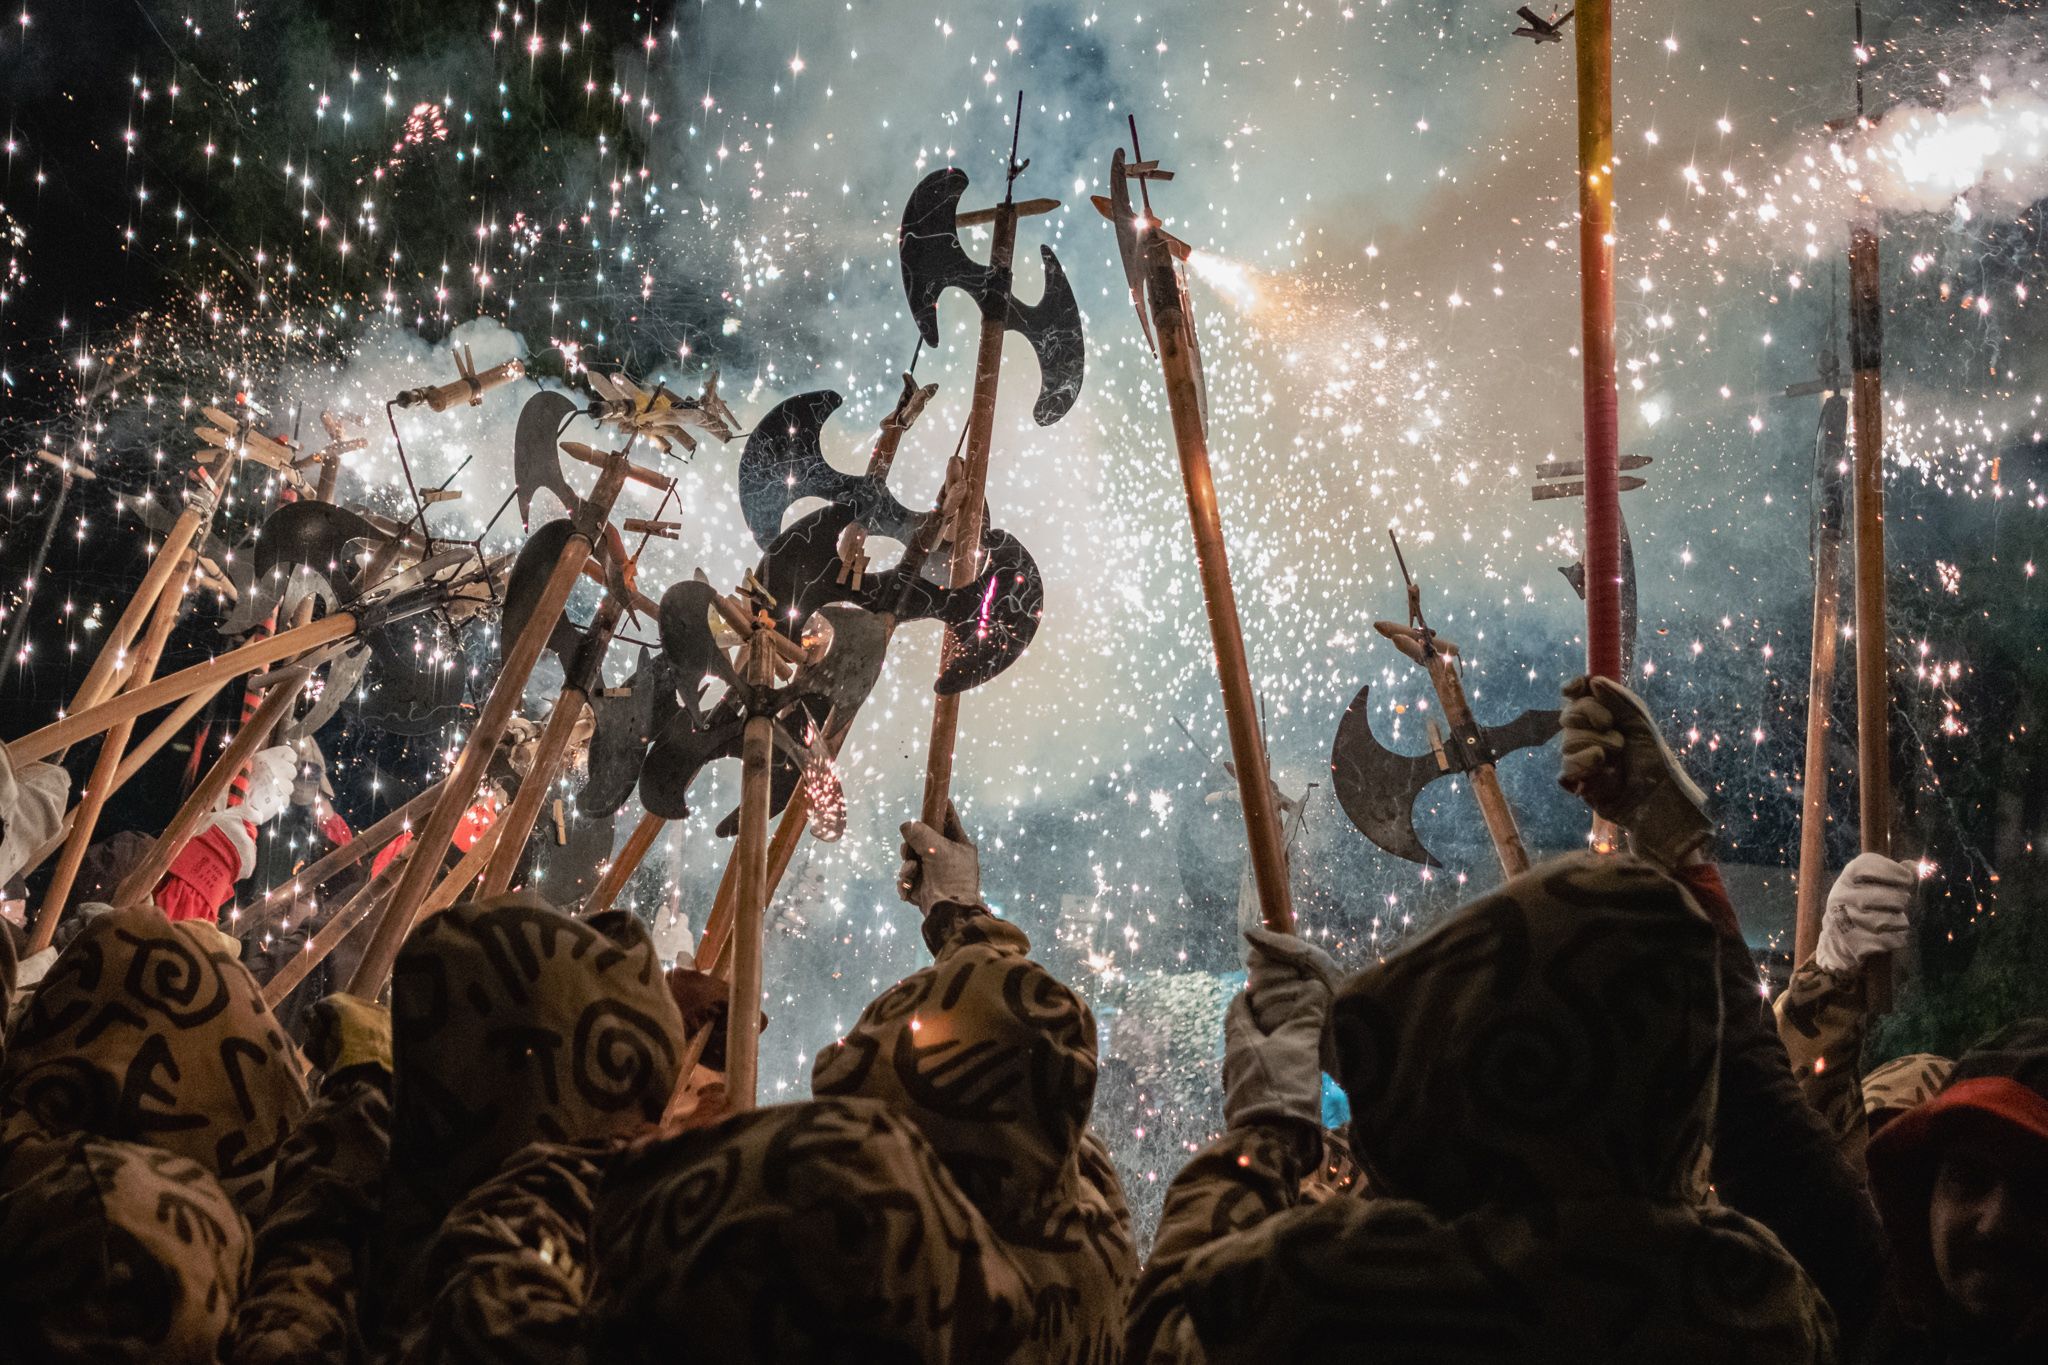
(1593, 33)
(1151, 259)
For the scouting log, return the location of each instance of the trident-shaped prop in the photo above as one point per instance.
(1377, 787)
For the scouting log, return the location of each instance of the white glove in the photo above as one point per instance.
(939, 868)
(1276, 1035)
(1617, 763)
(271, 775)
(1866, 913)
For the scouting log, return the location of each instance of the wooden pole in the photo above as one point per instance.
(142, 879)
(585, 672)
(967, 527)
(395, 922)
(282, 898)
(333, 933)
(132, 764)
(1172, 324)
(1873, 681)
(1593, 33)
(1820, 689)
(743, 1020)
(99, 787)
(1493, 802)
(113, 661)
(516, 824)
(177, 686)
(624, 865)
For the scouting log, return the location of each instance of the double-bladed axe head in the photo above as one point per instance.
(784, 462)
(529, 579)
(935, 261)
(626, 720)
(1377, 787)
(690, 738)
(536, 456)
(989, 622)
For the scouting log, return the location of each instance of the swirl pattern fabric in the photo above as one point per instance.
(118, 1252)
(1531, 1085)
(153, 1032)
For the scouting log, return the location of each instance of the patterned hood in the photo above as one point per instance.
(991, 1057)
(1556, 1039)
(117, 1252)
(154, 1032)
(513, 1023)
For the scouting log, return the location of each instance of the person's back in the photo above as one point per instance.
(1531, 1085)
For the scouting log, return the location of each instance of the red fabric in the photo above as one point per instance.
(1905, 1156)
(475, 821)
(1704, 881)
(202, 877)
(391, 850)
(336, 829)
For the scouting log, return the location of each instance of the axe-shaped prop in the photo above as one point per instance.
(1160, 291)
(522, 652)
(758, 716)
(933, 262)
(1378, 787)
(582, 651)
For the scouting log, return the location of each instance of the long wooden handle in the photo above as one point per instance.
(1820, 711)
(1233, 669)
(395, 920)
(967, 527)
(113, 660)
(743, 1017)
(332, 934)
(142, 879)
(1873, 677)
(131, 764)
(100, 785)
(309, 878)
(1493, 802)
(624, 865)
(177, 686)
(516, 824)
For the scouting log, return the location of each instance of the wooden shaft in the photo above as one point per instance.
(624, 865)
(1593, 34)
(1813, 806)
(467, 869)
(1873, 681)
(177, 686)
(570, 704)
(337, 929)
(281, 899)
(106, 765)
(717, 935)
(1493, 802)
(395, 922)
(516, 824)
(1240, 708)
(131, 764)
(142, 879)
(113, 660)
(981, 422)
(743, 1018)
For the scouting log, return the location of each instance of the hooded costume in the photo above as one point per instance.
(143, 1101)
(1532, 1085)
(2002, 1080)
(511, 1025)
